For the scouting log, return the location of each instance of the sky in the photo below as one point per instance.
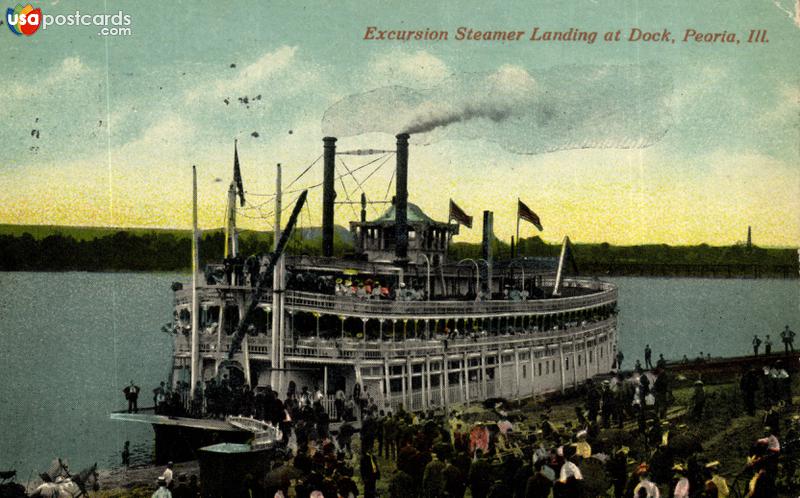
(620, 142)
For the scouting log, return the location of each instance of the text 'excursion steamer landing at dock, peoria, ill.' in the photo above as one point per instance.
(395, 322)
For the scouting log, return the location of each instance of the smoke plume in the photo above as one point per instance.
(557, 109)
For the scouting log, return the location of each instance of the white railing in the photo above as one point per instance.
(351, 349)
(455, 396)
(398, 310)
(603, 293)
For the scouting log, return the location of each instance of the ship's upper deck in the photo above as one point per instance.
(576, 295)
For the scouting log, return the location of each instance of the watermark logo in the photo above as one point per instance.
(27, 20)
(23, 20)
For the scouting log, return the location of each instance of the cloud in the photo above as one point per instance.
(69, 74)
(401, 68)
(250, 78)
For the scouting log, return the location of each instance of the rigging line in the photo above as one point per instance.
(341, 178)
(374, 209)
(373, 172)
(389, 187)
(258, 194)
(358, 185)
(337, 178)
(243, 215)
(308, 211)
(256, 206)
(304, 171)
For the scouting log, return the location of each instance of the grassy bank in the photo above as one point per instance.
(724, 433)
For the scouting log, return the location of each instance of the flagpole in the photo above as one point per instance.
(195, 301)
(516, 249)
(450, 211)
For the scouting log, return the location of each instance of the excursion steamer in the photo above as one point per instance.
(396, 320)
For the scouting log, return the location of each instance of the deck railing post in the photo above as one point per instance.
(534, 378)
(516, 372)
(463, 379)
(483, 372)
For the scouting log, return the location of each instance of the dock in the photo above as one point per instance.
(208, 424)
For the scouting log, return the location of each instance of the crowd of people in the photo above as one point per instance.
(623, 438)
(787, 338)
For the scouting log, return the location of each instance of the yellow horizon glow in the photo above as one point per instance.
(623, 197)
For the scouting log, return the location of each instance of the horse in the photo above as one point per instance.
(8, 487)
(70, 486)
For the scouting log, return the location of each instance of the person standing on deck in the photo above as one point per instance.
(132, 395)
(648, 357)
(756, 345)
(620, 357)
(767, 345)
(787, 337)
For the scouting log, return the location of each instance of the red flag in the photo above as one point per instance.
(458, 214)
(525, 213)
(237, 174)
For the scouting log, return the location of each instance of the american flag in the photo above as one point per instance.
(458, 214)
(525, 213)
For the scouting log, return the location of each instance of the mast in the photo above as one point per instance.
(276, 351)
(559, 273)
(231, 240)
(515, 249)
(195, 302)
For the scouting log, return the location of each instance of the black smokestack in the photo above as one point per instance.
(401, 198)
(328, 194)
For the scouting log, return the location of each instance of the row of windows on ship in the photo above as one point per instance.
(308, 325)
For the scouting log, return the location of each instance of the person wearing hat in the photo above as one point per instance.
(341, 290)
(756, 345)
(698, 400)
(182, 489)
(787, 337)
(570, 477)
(617, 468)
(167, 475)
(162, 491)
(433, 481)
(650, 488)
(682, 483)
(370, 473)
(538, 485)
(582, 448)
(376, 290)
(749, 385)
(715, 482)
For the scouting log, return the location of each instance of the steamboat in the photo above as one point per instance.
(396, 319)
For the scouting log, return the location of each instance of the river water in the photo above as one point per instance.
(70, 342)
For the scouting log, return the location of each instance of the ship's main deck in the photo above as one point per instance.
(418, 353)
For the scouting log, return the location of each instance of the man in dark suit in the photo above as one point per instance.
(369, 473)
(132, 395)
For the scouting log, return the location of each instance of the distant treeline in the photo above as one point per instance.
(170, 251)
(655, 259)
(124, 250)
